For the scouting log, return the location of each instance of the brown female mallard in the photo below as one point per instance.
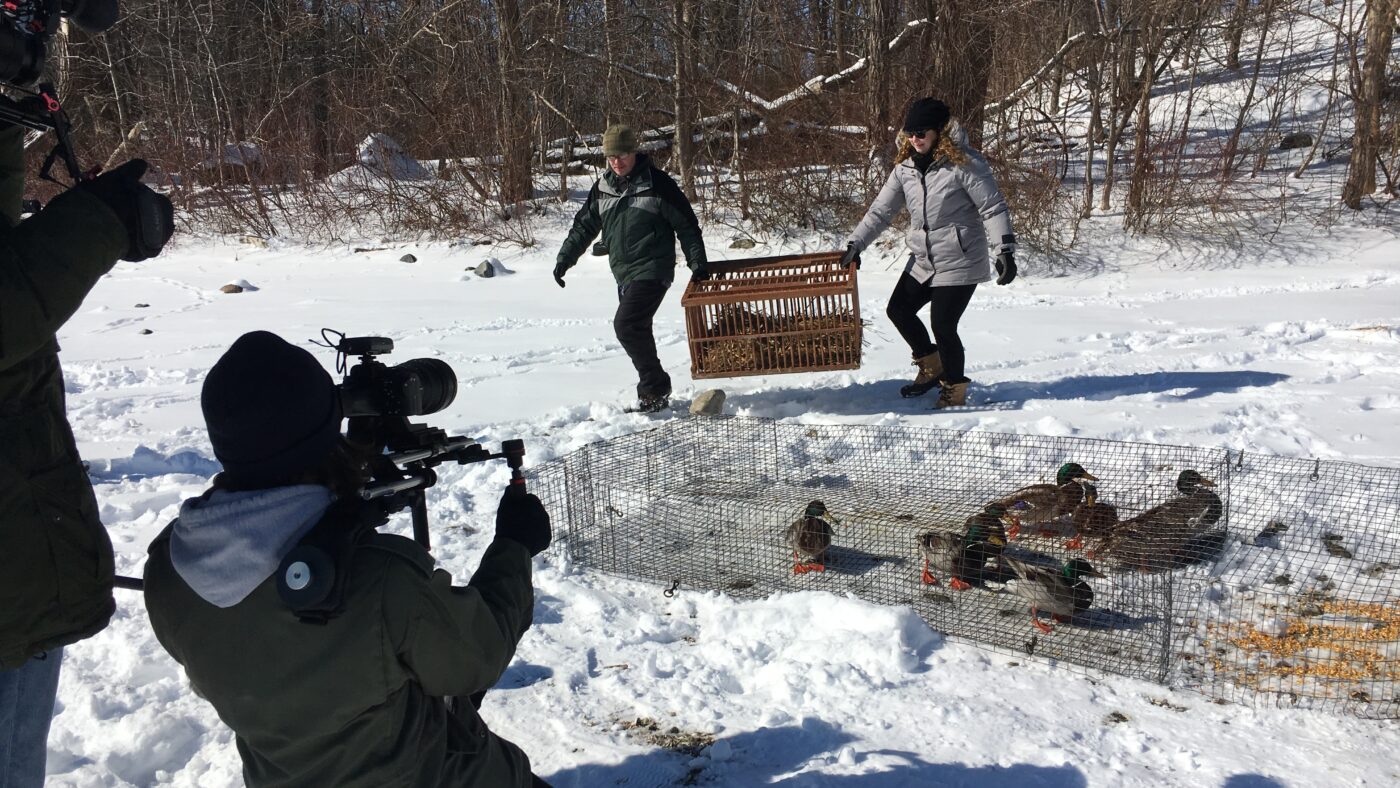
(810, 536)
(1092, 518)
(1039, 504)
(1173, 534)
(1060, 592)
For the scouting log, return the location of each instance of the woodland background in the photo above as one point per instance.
(773, 114)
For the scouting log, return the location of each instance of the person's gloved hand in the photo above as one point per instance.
(148, 216)
(1006, 268)
(559, 270)
(521, 518)
(700, 274)
(851, 257)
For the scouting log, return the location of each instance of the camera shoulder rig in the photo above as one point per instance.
(312, 578)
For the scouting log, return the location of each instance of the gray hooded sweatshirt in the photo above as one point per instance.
(953, 211)
(225, 544)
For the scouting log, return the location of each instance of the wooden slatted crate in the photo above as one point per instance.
(770, 315)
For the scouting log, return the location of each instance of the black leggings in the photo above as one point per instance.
(949, 303)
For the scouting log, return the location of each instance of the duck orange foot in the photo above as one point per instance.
(929, 579)
(1074, 544)
(1042, 626)
(1015, 529)
(958, 584)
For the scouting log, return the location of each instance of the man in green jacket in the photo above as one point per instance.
(375, 692)
(55, 558)
(641, 212)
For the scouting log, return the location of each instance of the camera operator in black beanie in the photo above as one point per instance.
(376, 694)
(957, 217)
(56, 564)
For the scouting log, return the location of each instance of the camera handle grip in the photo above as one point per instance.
(514, 451)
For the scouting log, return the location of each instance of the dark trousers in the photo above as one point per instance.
(947, 307)
(637, 303)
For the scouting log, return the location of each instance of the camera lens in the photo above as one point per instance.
(434, 380)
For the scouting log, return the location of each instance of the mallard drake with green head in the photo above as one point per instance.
(1038, 504)
(964, 558)
(1171, 534)
(1060, 592)
(810, 537)
(1092, 518)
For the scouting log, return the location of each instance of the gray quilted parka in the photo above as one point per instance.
(953, 211)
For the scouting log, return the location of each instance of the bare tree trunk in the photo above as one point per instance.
(1365, 147)
(1142, 145)
(513, 120)
(1234, 33)
(612, 27)
(320, 106)
(839, 32)
(738, 165)
(1095, 124)
(878, 113)
(683, 19)
(961, 66)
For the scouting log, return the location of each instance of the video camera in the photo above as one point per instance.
(378, 400)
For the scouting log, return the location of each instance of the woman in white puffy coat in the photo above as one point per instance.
(957, 217)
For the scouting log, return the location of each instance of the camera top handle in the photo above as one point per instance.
(42, 112)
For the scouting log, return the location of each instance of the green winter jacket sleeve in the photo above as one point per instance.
(458, 640)
(681, 216)
(587, 225)
(50, 261)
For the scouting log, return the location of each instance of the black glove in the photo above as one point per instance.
(700, 274)
(559, 273)
(1006, 267)
(521, 518)
(851, 257)
(148, 216)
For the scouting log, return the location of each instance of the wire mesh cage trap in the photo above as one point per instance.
(1243, 578)
(796, 313)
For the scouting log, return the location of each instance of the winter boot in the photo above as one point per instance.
(653, 403)
(930, 370)
(952, 395)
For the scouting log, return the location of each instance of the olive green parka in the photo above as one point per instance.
(55, 556)
(640, 216)
(362, 699)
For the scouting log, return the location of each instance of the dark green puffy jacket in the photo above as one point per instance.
(361, 699)
(640, 216)
(55, 556)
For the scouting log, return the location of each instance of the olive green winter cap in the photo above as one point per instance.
(619, 139)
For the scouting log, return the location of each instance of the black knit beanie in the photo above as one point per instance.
(271, 408)
(927, 113)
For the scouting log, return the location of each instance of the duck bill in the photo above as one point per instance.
(997, 540)
(1091, 477)
(1095, 573)
(1207, 482)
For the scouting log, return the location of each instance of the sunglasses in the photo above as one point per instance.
(919, 132)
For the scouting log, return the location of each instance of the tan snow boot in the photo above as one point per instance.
(930, 370)
(953, 395)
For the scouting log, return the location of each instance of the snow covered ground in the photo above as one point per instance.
(1295, 354)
